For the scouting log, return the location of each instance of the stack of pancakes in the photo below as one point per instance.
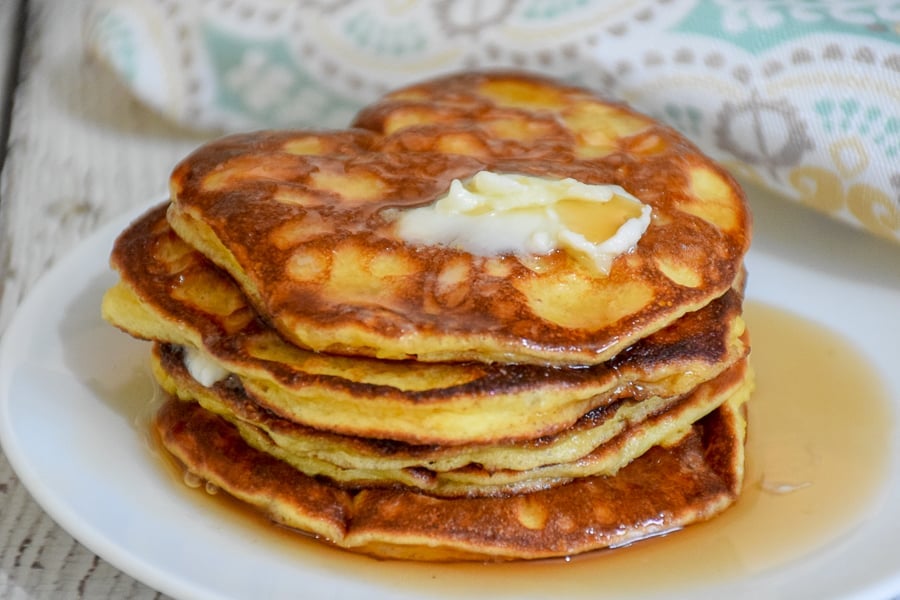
(418, 400)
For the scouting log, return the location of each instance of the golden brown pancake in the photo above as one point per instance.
(663, 490)
(601, 442)
(306, 224)
(170, 292)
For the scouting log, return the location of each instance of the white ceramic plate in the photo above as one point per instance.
(72, 391)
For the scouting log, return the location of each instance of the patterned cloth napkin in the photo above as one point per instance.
(799, 96)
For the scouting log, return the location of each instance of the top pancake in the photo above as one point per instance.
(305, 222)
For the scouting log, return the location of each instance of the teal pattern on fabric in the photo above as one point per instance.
(761, 25)
(686, 118)
(114, 33)
(541, 10)
(371, 34)
(260, 78)
(849, 116)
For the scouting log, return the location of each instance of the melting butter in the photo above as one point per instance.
(202, 368)
(493, 214)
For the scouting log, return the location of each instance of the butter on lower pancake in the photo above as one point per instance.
(170, 292)
(306, 224)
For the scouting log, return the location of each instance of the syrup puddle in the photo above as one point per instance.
(820, 424)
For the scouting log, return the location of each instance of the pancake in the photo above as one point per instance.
(307, 224)
(170, 292)
(665, 489)
(601, 442)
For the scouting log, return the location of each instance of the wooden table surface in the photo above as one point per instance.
(78, 152)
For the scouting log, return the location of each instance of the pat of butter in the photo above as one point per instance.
(493, 214)
(202, 368)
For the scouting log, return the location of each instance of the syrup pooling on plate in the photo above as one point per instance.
(806, 369)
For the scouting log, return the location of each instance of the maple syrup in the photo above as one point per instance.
(819, 429)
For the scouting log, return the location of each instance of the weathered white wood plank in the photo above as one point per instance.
(80, 152)
(9, 14)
